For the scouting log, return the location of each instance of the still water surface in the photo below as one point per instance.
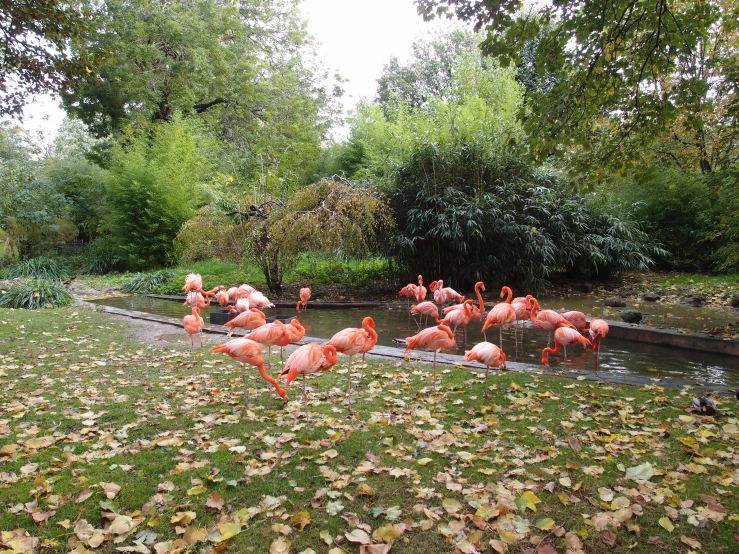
(617, 356)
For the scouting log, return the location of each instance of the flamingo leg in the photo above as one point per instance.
(364, 370)
(269, 357)
(501, 335)
(349, 384)
(201, 339)
(246, 386)
(305, 404)
(487, 370)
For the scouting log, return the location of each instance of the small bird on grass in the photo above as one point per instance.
(706, 406)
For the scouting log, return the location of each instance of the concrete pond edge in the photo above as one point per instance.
(449, 359)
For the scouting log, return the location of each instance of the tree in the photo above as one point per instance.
(333, 215)
(36, 41)
(620, 71)
(154, 186)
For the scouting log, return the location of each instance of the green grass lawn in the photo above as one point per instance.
(111, 445)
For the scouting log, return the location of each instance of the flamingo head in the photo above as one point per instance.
(433, 285)
(480, 285)
(332, 357)
(368, 322)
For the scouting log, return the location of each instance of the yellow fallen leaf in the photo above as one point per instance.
(424, 461)
(229, 530)
(197, 490)
(451, 505)
(300, 520)
(545, 524)
(692, 543)
(279, 546)
(666, 524)
(386, 533)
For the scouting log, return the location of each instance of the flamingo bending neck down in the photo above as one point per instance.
(303, 302)
(269, 335)
(248, 320)
(433, 338)
(249, 352)
(460, 317)
(563, 336)
(426, 308)
(598, 330)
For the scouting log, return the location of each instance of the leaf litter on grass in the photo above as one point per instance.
(115, 445)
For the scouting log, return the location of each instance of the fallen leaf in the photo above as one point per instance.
(666, 524)
(358, 535)
(215, 501)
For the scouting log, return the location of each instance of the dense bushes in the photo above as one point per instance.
(466, 215)
(35, 294)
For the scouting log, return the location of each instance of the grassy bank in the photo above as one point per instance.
(310, 270)
(108, 443)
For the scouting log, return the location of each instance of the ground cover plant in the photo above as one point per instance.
(110, 444)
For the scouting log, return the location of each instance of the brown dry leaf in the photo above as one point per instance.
(215, 501)
(545, 549)
(373, 549)
(451, 505)
(692, 543)
(655, 541)
(39, 442)
(83, 495)
(194, 535)
(609, 538)
(110, 489)
(279, 546)
(499, 546)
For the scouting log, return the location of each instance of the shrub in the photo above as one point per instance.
(146, 282)
(38, 268)
(36, 294)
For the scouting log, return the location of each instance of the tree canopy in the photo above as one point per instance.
(36, 48)
(618, 72)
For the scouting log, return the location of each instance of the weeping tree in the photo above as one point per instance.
(332, 215)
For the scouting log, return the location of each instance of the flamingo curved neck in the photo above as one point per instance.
(509, 292)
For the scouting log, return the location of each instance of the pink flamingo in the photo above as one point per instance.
(487, 354)
(243, 291)
(193, 282)
(249, 352)
(420, 290)
(427, 309)
(548, 320)
(250, 320)
(598, 330)
(460, 317)
(577, 319)
(222, 297)
(196, 299)
(563, 336)
(408, 291)
(303, 302)
(353, 340)
(501, 314)
(233, 293)
(477, 311)
(241, 306)
(295, 330)
(269, 335)
(444, 295)
(309, 358)
(193, 325)
(258, 300)
(523, 311)
(433, 338)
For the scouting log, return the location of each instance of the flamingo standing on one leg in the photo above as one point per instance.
(487, 354)
(548, 320)
(460, 317)
(258, 300)
(598, 330)
(408, 291)
(250, 320)
(303, 302)
(433, 338)
(295, 330)
(501, 314)
(269, 335)
(523, 311)
(193, 325)
(309, 358)
(563, 336)
(350, 341)
(427, 309)
(249, 352)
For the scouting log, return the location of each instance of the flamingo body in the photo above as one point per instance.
(428, 309)
(250, 320)
(598, 330)
(193, 324)
(577, 319)
(193, 282)
(434, 338)
(249, 352)
(563, 336)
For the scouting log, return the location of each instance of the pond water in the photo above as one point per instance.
(393, 322)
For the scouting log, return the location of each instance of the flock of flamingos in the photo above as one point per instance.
(248, 303)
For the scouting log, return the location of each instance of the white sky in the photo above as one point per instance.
(356, 38)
